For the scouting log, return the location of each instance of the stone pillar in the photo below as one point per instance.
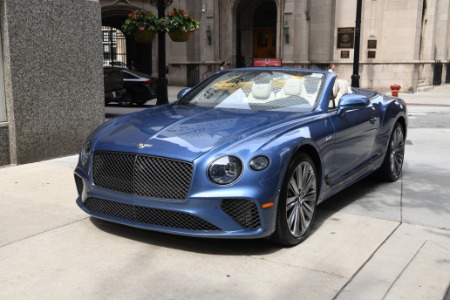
(52, 58)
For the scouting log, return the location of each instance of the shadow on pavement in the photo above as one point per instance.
(236, 246)
(190, 244)
(347, 197)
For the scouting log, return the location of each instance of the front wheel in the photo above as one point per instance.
(126, 100)
(393, 161)
(297, 203)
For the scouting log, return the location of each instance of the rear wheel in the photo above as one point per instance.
(393, 161)
(297, 204)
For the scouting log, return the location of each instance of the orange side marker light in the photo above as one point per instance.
(268, 204)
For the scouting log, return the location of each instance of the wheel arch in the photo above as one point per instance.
(402, 121)
(314, 154)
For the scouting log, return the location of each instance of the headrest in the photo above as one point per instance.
(292, 86)
(261, 91)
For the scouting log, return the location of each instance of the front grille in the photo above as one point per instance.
(146, 215)
(142, 175)
(244, 212)
(79, 184)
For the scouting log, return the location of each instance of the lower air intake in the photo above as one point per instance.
(150, 216)
(244, 212)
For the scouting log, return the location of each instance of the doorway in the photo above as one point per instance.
(264, 43)
(256, 31)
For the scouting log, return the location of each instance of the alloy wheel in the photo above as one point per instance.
(301, 199)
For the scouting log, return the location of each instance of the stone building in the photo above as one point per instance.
(401, 40)
(51, 52)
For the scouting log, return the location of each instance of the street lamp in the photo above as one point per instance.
(161, 93)
(355, 76)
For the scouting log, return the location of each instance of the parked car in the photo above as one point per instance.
(114, 86)
(115, 64)
(232, 163)
(140, 87)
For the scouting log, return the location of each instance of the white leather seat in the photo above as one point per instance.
(311, 89)
(340, 88)
(261, 93)
(292, 87)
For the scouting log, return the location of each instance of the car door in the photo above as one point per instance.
(355, 135)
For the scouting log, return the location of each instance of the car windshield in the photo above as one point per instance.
(259, 90)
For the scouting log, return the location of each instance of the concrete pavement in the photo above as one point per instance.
(372, 241)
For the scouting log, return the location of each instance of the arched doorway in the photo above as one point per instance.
(123, 48)
(256, 31)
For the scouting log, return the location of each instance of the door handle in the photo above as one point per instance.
(373, 120)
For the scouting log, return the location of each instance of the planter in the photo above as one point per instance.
(180, 36)
(144, 36)
(395, 93)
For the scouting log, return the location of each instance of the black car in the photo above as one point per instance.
(114, 86)
(140, 87)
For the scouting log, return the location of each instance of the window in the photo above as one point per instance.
(114, 46)
(2, 88)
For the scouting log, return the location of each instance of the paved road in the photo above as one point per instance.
(372, 241)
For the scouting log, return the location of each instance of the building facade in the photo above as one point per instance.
(51, 81)
(401, 40)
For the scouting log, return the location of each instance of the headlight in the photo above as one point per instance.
(85, 152)
(259, 163)
(225, 170)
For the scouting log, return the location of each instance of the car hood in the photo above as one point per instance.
(184, 132)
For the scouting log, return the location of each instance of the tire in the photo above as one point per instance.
(126, 100)
(298, 201)
(391, 169)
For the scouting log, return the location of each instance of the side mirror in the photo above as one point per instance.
(183, 92)
(352, 101)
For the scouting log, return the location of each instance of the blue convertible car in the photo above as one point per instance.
(248, 153)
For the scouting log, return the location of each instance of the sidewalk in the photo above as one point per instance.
(372, 241)
(438, 96)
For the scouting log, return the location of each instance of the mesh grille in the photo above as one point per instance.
(141, 175)
(79, 184)
(151, 216)
(244, 212)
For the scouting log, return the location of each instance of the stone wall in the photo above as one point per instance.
(52, 59)
(4, 145)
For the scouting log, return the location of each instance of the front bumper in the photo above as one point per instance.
(230, 217)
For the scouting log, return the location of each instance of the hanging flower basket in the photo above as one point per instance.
(180, 36)
(142, 25)
(144, 36)
(179, 24)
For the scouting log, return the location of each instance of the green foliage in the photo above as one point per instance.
(140, 20)
(176, 20)
(179, 20)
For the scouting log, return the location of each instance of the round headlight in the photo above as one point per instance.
(225, 170)
(85, 152)
(259, 163)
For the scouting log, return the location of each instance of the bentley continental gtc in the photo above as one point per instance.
(247, 153)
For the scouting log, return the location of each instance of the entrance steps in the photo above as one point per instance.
(423, 86)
